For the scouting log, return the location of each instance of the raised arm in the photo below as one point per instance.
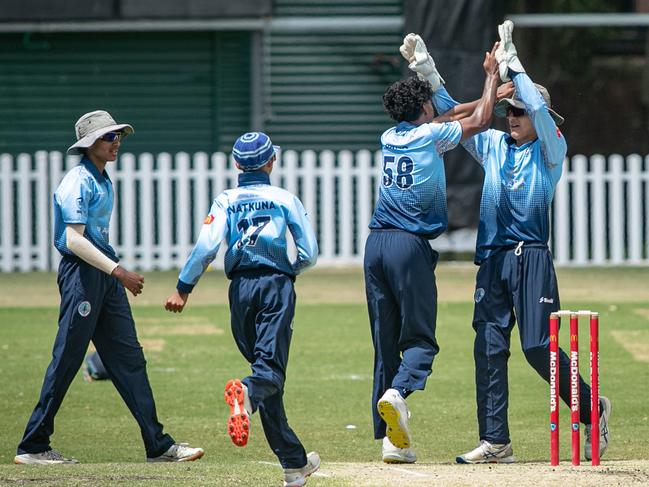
(481, 117)
(510, 67)
(452, 110)
(554, 143)
(421, 62)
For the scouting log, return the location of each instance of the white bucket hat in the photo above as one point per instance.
(92, 126)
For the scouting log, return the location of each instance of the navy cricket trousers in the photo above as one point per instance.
(262, 306)
(402, 304)
(515, 286)
(94, 307)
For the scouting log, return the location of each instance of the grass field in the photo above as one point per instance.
(190, 356)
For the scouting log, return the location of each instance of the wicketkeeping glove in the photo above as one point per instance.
(414, 51)
(506, 53)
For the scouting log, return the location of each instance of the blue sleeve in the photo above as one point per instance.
(552, 140)
(478, 145)
(447, 135)
(305, 240)
(74, 195)
(443, 101)
(215, 229)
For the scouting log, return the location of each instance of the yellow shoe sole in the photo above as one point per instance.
(396, 432)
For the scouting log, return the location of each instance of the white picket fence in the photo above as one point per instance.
(600, 217)
(601, 211)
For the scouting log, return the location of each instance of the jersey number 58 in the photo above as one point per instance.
(403, 178)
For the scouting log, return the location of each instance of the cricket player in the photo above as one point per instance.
(399, 262)
(94, 305)
(516, 281)
(253, 219)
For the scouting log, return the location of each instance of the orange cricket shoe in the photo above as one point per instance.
(236, 396)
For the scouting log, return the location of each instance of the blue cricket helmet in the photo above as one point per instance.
(253, 149)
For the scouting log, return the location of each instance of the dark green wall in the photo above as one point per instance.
(323, 89)
(182, 91)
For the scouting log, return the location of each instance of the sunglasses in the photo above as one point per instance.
(515, 112)
(112, 136)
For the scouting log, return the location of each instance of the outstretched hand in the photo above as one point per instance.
(490, 63)
(419, 60)
(506, 54)
(407, 49)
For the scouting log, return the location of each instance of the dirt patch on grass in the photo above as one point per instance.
(148, 344)
(622, 473)
(644, 312)
(636, 342)
(153, 344)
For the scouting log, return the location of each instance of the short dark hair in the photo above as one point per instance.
(404, 100)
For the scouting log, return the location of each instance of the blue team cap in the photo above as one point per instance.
(253, 149)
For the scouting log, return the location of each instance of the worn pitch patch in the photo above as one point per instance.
(644, 312)
(148, 344)
(153, 344)
(636, 342)
(523, 474)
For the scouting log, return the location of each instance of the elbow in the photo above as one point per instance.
(485, 122)
(485, 116)
(72, 246)
(313, 252)
(482, 120)
(310, 260)
(71, 241)
(74, 236)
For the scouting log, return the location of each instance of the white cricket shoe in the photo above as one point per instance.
(49, 457)
(392, 454)
(296, 477)
(487, 452)
(178, 452)
(394, 411)
(604, 413)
